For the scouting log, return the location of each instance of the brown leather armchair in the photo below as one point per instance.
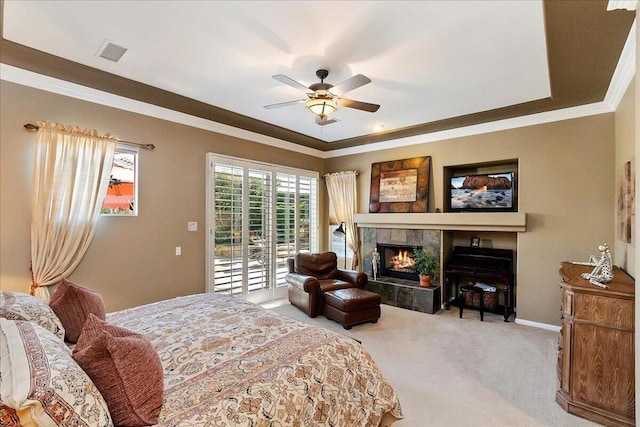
(310, 275)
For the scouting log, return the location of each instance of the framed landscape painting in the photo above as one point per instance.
(400, 186)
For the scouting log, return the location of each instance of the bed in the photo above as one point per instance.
(228, 362)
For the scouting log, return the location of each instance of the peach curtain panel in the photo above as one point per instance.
(71, 175)
(343, 198)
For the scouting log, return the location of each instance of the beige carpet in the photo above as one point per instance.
(461, 372)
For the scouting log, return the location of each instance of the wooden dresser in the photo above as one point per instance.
(596, 347)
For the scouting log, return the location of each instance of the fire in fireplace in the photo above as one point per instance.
(397, 261)
(401, 262)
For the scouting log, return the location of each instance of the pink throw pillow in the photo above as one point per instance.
(92, 329)
(73, 304)
(125, 368)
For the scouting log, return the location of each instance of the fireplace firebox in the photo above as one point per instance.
(397, 261)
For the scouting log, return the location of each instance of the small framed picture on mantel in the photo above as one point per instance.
(475, 242)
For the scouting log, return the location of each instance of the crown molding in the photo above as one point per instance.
(622, 77)
(622, 4)
(624, 72)
(517, 122)
(72, 90)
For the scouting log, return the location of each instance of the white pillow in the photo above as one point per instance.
(41, 384)
(21, 306)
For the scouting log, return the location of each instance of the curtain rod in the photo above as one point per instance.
(33, 128)
(340, 173)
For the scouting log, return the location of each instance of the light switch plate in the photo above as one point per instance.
(192, 226)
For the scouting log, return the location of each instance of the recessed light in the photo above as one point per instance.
(378, 128)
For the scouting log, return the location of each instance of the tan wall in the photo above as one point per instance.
(625, 151)
(131, 261)
(566, 177)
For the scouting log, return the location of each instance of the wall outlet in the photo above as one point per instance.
(192, 226)
(178, 250)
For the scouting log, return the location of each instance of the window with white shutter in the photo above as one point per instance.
(258, 215)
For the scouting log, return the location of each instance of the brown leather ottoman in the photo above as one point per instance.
(352, 306)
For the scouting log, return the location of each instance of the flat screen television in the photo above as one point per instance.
(493, 192)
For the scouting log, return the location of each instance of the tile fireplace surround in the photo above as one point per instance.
(427, 239)
(399, 292)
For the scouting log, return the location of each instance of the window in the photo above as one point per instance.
(122, 194)
(258, 215)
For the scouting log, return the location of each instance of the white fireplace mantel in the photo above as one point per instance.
(480, 221)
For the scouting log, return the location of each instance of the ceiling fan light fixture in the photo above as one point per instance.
(322, 106)
(323, 98)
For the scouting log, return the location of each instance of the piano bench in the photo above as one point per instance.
(473, 296)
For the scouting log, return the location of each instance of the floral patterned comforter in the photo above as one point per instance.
(228, 362)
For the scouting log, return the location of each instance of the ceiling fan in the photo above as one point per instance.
(324, 98)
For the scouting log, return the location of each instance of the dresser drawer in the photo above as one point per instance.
(604, 311)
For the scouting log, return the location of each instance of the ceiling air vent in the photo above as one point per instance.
(111, 51)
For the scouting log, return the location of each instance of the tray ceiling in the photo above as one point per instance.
(433, 65)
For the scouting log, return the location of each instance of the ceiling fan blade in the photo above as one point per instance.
(358, 105)
(350, 84)
(322, 120)
(289, 81)
(284, 104)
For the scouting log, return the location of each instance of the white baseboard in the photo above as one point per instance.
(528, 323)
(538, 325)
